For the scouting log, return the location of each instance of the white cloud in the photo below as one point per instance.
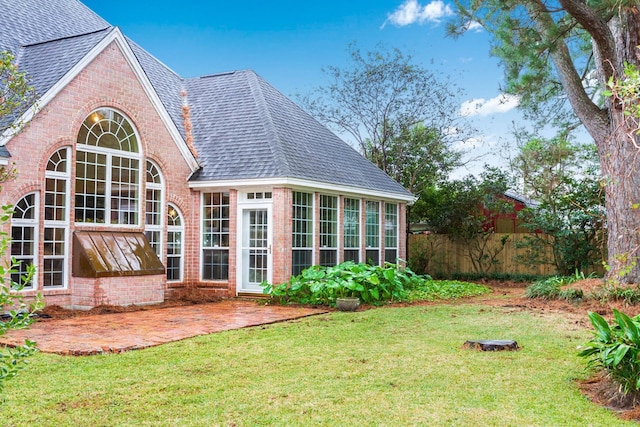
(485, 107)
(411, 12)
(473, 26)
(468, 144)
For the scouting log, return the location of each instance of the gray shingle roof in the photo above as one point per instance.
(48, 62)
(24, 22)
(243, 128)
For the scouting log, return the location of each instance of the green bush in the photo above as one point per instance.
(616, 349)
(551, 288)
(629, 295)
(319, 285)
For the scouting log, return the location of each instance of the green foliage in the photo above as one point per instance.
(626, 93)
(20, 315)
(463, 210)
(322, 285)
(551, 288)
(396, 111)
(616, 350)
(628, 294)
(567, 226)
(433, 290)
(16, 95)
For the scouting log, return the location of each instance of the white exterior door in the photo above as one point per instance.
(255, 249)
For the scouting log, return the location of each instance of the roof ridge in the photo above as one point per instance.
(265, 112)
(67, 37)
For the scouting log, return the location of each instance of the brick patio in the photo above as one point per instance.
(116, 333)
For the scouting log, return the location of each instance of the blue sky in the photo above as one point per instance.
(288, 43)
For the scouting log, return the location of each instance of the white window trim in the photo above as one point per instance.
(201, 238)
(155, 186)
(20, 222)
(179, 229)
(110, 153)
(64, 223)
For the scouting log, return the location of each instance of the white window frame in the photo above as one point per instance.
(378, 236)
(358, 227)
(173, 228)
(110, 154)
(64, 175)
(327, 223)
(310, 224)
(150, 228)
(22, 223)
(388, 226)
(213, 247)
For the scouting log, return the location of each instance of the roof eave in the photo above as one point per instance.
(301, 184)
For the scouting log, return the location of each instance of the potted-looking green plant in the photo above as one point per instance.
(346, 295)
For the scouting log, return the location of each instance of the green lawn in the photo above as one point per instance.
(386, 366)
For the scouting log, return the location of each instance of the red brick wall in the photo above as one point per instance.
(282, 234)
(128, 290)
(107, 81)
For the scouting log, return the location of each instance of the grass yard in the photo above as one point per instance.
(387, 366)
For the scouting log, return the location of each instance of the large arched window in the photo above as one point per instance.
(107, 170)
(153, 220)
(24, 237)
(175, 232)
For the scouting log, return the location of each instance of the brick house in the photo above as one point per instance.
(134, 182)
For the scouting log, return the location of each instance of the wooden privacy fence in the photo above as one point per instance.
(442, 256)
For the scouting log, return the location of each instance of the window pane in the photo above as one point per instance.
(373, 256)
(91, 187)
(391, 255)
(215, 220)
(215, 264)
(351, 223)
(391, 226)
(352, 255)
(373, 225)
(301, 259)
(328, 221)
(328, 258)
(124, 190)
(302, 220)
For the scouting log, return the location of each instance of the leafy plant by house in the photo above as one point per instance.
(322, 285)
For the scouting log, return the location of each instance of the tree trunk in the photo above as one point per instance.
(619, 159)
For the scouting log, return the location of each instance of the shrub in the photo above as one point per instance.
(551, 288)
(615, 349)
(322, 285)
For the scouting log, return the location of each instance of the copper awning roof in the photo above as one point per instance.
(110, 254)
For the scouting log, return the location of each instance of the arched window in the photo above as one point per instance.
(56, 220)
(107, 170)
(175, 232)
(24, 237)
(153, 220)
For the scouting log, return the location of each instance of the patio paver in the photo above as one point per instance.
(119, 332)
